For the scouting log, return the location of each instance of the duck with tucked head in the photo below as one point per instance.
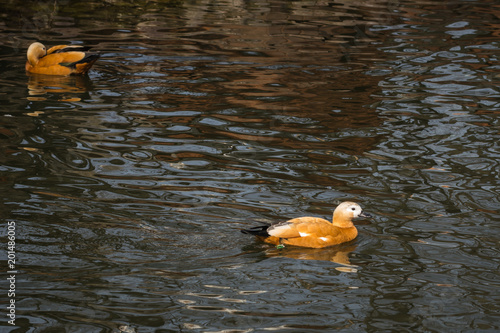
(313, 232)
(59, 59)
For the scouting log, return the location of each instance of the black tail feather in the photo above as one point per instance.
(257, 231)
(91, 57)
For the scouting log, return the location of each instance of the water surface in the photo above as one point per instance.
(129, 186)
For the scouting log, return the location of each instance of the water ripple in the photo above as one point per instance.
(128, 187)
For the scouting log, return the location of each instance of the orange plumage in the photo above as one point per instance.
(59, 60)
(313, 232)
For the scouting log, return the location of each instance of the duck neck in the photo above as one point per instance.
(342, 220)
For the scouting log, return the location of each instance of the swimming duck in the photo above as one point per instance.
(59, 59)
(313, 232)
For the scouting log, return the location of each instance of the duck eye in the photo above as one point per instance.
(353, 208)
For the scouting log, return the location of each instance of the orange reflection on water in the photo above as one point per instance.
(40, 85)
(338, 254)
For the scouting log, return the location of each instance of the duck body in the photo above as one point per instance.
(59, 60)
(312, 232)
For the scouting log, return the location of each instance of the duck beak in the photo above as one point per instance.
(363, 214)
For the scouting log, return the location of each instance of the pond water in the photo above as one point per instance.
(127, 188)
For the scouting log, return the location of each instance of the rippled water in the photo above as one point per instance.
(128, 187)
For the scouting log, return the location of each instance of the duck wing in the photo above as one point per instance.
(67, 48)
(303, 227)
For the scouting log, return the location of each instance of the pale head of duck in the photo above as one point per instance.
(345, 213)
(35, 52)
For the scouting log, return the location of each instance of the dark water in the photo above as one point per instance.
(128, 187)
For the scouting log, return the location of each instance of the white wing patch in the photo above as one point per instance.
(279, 229)
(324, 238)
(303, 234)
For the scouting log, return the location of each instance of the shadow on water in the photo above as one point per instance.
(128, 186)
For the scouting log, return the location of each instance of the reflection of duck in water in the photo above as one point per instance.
(337, 253)
(59, 60)
(39, 84)
(312, 232)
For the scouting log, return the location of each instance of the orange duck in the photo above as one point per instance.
(59, 60)
(313, 232)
